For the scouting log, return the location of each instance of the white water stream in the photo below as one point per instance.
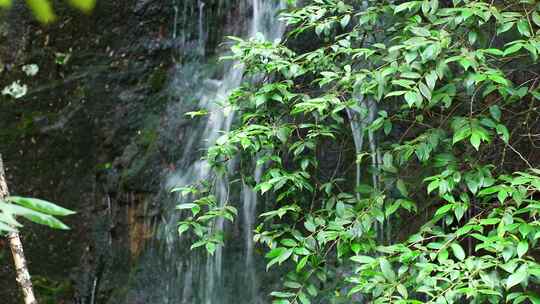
(230, 275)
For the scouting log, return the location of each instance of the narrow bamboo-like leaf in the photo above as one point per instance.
(7, 217)
(34, 216)
(42, 9)
(6, 228)
(522, 248)
(40, 205)
(186, 206)
(83, 5)
(363, 259)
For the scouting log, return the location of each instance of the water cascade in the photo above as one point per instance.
(360, 117)
(173, 273)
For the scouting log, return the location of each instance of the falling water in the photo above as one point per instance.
(202, 39)
(250, 212)
(219, 120)
(175, 20)
(359, 122)
(230, 275)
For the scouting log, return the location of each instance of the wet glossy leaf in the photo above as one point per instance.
(516, 278)
(458, 251)
(387, 270)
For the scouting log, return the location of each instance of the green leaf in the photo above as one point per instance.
(186, 206)
(413, 98)
(387, 270)
(40, 205)
(472, 37)
(403, 6)
(285, 255)
(503, 132)
(8, 218)
(390, 209)
(432, 186)
(303, 298)
(522, 248)
(420, 31)
(425, 90)
(458, 251)
(6, 228)
(279, 294)
(431, 52)
(264, 187)
(512, 49)
(83, 5)
(475, 140)
(5, 3)
(431, 79)
(210, 248)
(34, 216)
(345, 21)
(363, 259)
(289, 242)
(302, 263)
(519, 276)
(310, 226)
(292, 284)
(275, 252)
(523, 27)
(505, 27)
(536, 18)
(400, 184)
(495, 112)
(402, 291)
(42, 9)
(182, 228)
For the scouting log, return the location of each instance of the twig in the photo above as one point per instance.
(21, 268)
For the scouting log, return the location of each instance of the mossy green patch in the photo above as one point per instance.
(158, 79)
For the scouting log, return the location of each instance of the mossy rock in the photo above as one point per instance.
(158, 79)
(50, 291)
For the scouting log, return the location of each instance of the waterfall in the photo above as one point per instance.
(359, 120)
(200, 26)
(173, 273)
(249, 206)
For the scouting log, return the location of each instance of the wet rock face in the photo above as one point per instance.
(89, 133)
(13, 29)
(62, 139)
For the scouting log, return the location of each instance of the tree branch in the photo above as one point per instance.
(21, 268)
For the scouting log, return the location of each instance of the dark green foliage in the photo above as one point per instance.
(434, 101)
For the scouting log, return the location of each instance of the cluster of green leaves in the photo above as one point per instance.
(43, 9)
(201, 222)
(35, 210)
(449, 80)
